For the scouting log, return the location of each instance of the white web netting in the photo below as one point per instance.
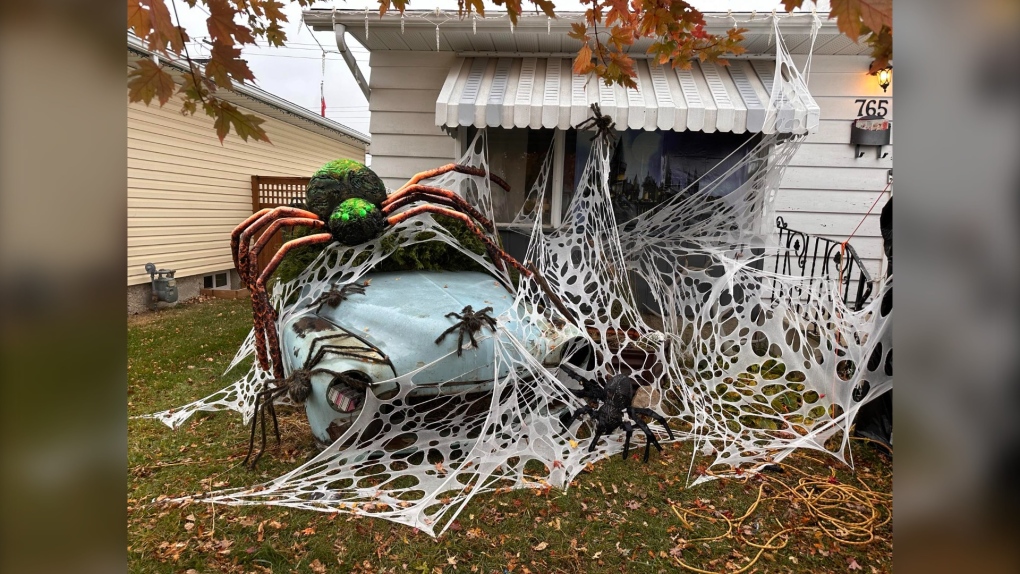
(746, 364)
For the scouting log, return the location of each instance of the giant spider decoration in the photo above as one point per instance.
(604, 124)
(347, 204)
(298, 386)
(615, 398)
(468, 323)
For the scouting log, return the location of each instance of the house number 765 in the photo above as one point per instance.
(872, 107)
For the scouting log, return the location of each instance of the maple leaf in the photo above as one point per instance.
(138, 19)
(225, 65)
(853, 565)
(149, 81)
(274, 11)
(245, 125)
(578, 31)
(850, 14)
(546, 6)
(582, 63)
(220, 21)
(477, 5)
(275, 35)
(164, 33)
(791, 5)
(876, 14)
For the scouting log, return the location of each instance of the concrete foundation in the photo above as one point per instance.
(139, 297)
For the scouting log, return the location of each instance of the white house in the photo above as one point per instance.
(187, 191)
(435, 79)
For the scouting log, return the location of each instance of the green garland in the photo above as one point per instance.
(426, 255)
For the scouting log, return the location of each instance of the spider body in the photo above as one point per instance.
(335, 296)
(468, 323)
(604, 124)
(614, 399)
(347, 204)
(297, 386)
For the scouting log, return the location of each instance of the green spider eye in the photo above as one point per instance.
(356, 221)
(353, 208)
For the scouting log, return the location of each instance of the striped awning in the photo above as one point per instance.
(544, 93)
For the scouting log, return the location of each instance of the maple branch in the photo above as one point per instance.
(598, 44)
(187, 56)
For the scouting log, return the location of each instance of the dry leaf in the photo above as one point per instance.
(541, 546)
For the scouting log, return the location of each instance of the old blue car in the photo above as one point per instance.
(391, 329)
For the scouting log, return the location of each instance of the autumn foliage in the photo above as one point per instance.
(611, 27)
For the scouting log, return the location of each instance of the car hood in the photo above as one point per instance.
(402, 314)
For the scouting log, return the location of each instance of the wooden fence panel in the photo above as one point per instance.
(273, 191)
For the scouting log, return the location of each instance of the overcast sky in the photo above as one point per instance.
(294, 72)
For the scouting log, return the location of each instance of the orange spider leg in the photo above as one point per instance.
(492, 247)
(259, 293)
(253, 256)
(459, 169)
(247, 275)
(247, 266)
(436, 195)
(235, 235)
(272, 229)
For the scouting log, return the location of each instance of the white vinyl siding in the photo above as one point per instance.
(826, 191)
(405, 138)
(186, 191)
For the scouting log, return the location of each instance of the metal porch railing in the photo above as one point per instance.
(817, 257)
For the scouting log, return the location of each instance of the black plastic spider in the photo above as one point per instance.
(297, 387)
(605, 124)
(335, 296)
(469, 322)
(614, 398)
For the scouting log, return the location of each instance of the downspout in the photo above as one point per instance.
(341, 44)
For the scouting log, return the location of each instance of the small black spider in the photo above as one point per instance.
(605, 124)
(297, 387)
(614, 398)
(335, 296)
(469, 322)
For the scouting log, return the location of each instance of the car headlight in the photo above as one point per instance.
(346, 391)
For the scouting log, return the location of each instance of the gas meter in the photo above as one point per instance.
(164, 286)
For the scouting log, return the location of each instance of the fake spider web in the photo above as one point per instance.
(746, 364)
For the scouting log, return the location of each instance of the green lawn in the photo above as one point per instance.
(619, 516)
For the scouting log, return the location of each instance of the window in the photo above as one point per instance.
(215, 281)
(647, 168)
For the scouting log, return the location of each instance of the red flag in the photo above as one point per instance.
(324, 106)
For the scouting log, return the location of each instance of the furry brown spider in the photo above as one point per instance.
(469, 322)
(604, 124)
(335, 296)
(297, 387)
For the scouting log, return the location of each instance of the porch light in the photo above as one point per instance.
(884, 77)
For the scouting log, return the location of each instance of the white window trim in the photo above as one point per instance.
(224, 287)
